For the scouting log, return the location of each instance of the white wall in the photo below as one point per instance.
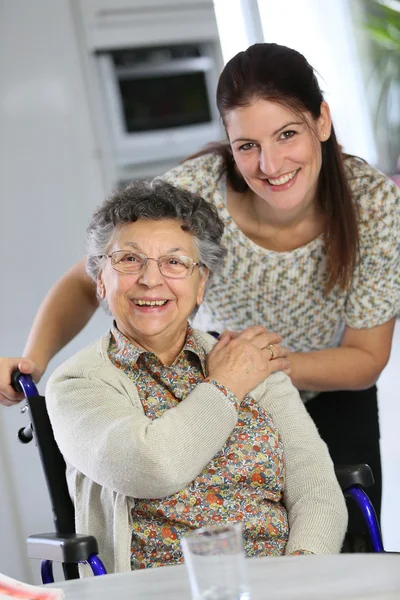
(389, 419)
(50, 181)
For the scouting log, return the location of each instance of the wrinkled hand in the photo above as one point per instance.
(241, 361)
(8, 396)
(278, 350)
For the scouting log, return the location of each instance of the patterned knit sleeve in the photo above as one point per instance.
(198, 175)
(374, 297)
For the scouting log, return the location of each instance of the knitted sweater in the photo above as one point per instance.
(284, 291)
(114, 453)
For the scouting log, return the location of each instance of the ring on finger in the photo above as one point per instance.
(271, 349)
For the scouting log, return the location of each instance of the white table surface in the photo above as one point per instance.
(344, 576)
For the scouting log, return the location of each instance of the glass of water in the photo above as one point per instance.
(215, 562)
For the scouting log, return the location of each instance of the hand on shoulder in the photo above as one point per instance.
(242, 361)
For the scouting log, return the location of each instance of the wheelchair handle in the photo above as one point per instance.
(23, 383)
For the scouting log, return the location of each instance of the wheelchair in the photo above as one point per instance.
(69, 548)
(65, 545)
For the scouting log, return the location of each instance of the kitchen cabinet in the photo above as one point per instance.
(108, 24)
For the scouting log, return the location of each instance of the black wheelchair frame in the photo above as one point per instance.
(65, 545)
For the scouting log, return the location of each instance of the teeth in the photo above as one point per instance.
(283, 179)
(151, 302)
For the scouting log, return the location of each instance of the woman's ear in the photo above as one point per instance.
(101, 290)
(324, 122)
(204, 275)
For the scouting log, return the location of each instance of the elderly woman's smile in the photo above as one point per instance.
(152, 283)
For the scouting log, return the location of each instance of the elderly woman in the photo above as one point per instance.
(164, 429)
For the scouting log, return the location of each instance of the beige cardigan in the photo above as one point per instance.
(114, 453)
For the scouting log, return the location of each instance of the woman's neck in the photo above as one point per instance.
(274, 229)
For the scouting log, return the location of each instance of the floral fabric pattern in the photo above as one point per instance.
(244, 481)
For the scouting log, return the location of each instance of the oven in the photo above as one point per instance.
(159, 101)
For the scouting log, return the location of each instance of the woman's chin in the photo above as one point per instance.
(147, 328)
(286, 202)
(142, 331)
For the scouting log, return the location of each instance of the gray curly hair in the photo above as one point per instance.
(155, 201)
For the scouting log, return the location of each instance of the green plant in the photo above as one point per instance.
(383, 29)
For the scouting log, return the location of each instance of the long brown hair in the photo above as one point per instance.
(282, 75)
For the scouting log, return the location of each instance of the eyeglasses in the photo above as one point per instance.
(174, 267)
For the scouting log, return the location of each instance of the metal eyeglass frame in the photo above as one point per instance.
(146, 259)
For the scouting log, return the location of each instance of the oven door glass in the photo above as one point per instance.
(165, 101)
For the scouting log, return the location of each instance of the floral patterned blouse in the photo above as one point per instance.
(243, 483)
